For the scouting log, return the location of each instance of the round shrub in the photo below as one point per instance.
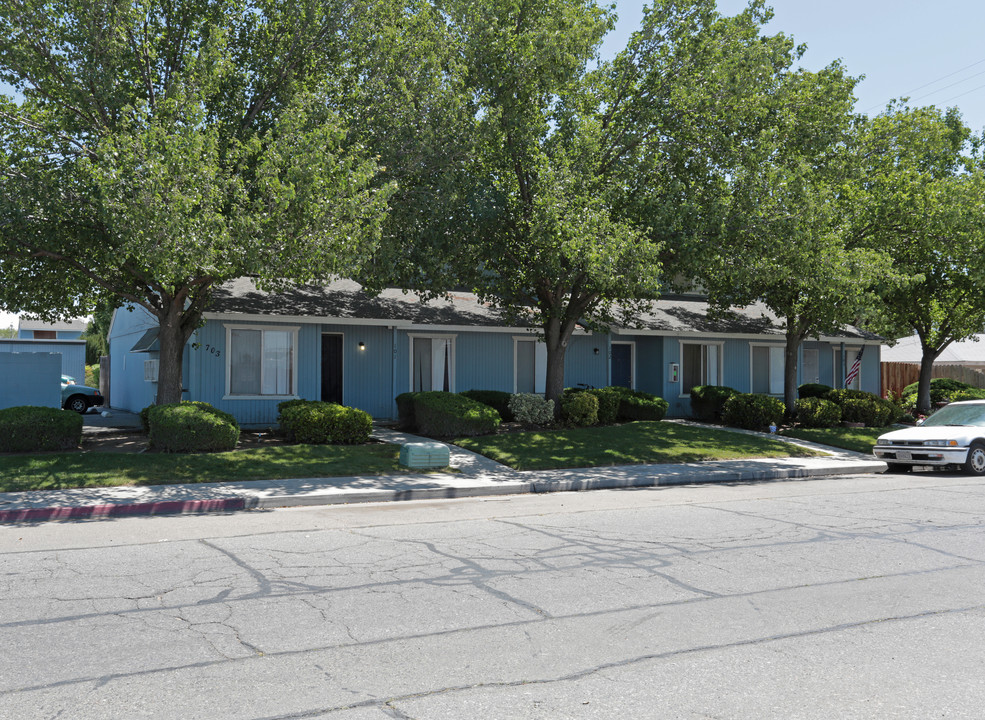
(707, 401)
(26, 428)
(638, 405)
(815, 412)
(608, 400)
(405, 410)
(972, 394)
(498, 400)
(752, 411)
(445, 414)
(940, 389)
(144, 422)
(531, 409)
(313, 422)
(191, 427)
(813, 390)
(865, 410)
(580, 408)
(858, 406)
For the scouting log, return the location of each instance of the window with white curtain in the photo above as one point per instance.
(767, 369)
(432, 364)
(261, 361)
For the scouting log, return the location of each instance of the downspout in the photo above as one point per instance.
(841, 366)
(393, 374)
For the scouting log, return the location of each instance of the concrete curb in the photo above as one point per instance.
(261, 498)
(107, 510)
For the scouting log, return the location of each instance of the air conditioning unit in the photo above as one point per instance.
(150, 370)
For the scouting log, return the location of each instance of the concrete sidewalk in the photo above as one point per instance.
(474, 476)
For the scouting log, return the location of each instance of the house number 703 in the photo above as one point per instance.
(213, 349)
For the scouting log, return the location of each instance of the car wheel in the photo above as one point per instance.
(975, 464)
(897, 468)
(77, 403)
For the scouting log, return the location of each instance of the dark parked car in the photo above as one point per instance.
(78, 397)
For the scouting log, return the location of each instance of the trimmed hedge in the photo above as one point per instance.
(405, 410)
(815, 412)
(498, 400)
(864, 407)
(444, 414)
(580, 408)
(608, 400)
(313, 422)
(813, 390)
(940, 390)
(531, 409)
(191, 427)
(972, 394)
(637, 405)
(752, 411)
(144, 422)
(707, 401)
(27, 428)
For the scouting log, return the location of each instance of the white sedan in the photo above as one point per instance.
(954, 435)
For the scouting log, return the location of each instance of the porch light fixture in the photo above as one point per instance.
(362, 346)
(595, 351)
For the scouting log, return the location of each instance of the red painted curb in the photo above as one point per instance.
(164, 507)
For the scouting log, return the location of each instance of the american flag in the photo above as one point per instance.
(853, 374)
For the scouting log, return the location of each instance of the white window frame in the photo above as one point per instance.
(721, 351)
(293, 330)
(451, 356)
(632, 361)
(752, 355)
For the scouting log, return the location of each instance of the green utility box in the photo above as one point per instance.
(424, 455)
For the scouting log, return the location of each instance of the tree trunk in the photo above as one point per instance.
(790, 357)
(176, 326)
(556, 336)
(927, 358)
(795, 333)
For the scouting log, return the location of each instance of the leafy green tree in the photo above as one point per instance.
(156, 149)
(921, 200)
(783, 237)
(553, 184)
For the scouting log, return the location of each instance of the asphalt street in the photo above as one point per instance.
(841, 597)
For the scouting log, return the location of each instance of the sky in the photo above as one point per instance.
(929, 52)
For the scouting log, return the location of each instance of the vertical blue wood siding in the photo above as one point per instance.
(30, 378)
(73, 353)
(127, 388)
(374, 376)
(581, 363)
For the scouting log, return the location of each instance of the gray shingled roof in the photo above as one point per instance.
(345, 299)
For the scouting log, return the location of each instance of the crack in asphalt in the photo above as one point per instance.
(499, 626)
(627, 662)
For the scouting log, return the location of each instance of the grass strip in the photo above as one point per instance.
(629, 444)
(858, 439)
(56, 471)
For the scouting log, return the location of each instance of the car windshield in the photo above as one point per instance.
(68, 380)
(958, 414)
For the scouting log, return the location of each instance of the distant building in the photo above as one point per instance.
(61, 330)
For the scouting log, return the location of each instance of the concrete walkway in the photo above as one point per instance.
(473, 475)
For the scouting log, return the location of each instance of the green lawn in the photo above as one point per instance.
(857, 439)
(629, 444)
(53, 471)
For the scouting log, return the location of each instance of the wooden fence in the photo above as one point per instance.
(897, 375)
